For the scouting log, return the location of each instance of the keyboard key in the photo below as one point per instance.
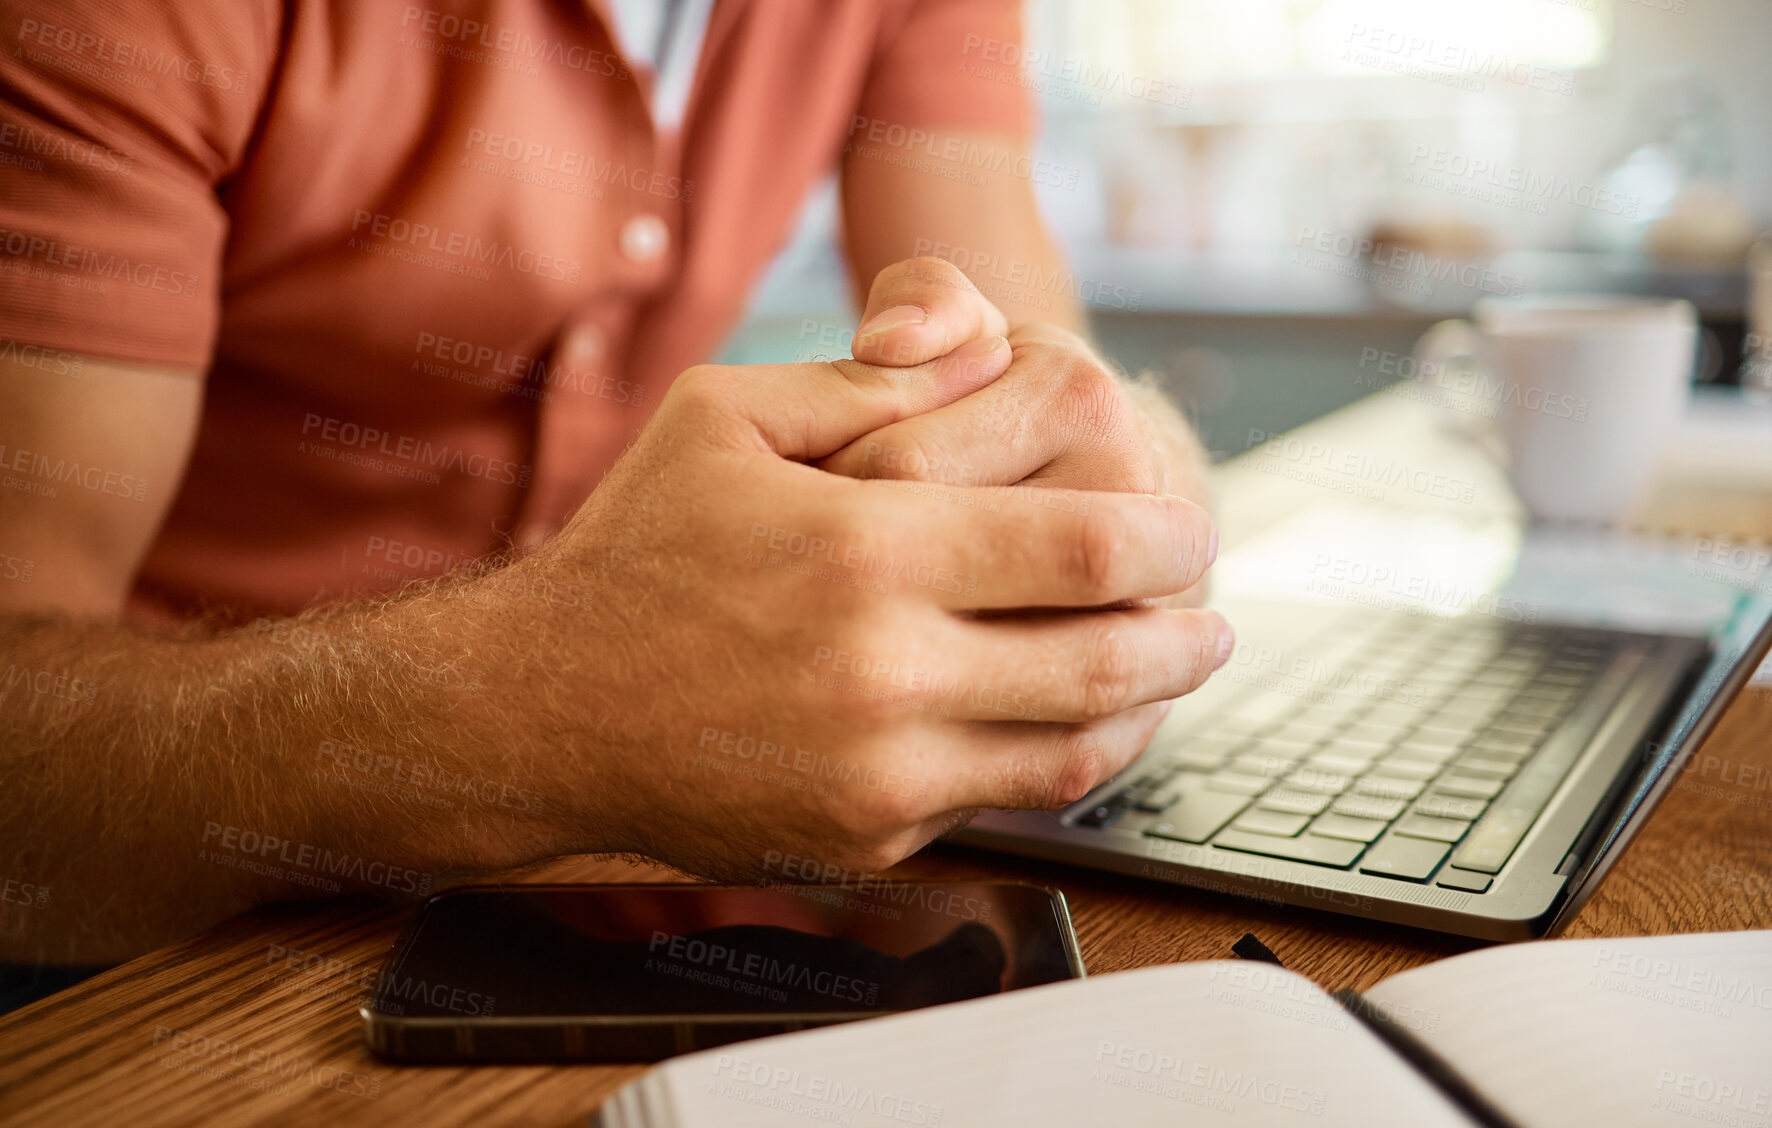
(1293, 800)
(1519, 729)
(1408, 769)
(1197, 759)
(1280, 823)
(1209, 740)
(1468, 786)
(1503, 747)
(1348, 827)
(1393, 716)
(1479, 693)
(1237, 782)
(1264, 766)
(1313, 848)
(1426, 754)
(1389, 787)
(1425, 826)
(1369, 807)
(1461, 879)
(1560, 679)
(1553, 694)
(1318, 780)
(1435, 739)
(1106, 812)
(1493, 841)
(1355, 749)
(1298, 731)
(1385, 735)
(1469, 702)
(1199, 815)
(1411, 859)
(1164, 796)
(1286, 747)
(1261, 706)
(1329, 716)
(1450, 807)
(1487, 766)
(1347, 765)
(1237, 728)
(1464, 728)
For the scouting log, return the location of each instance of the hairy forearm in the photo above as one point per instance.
(158, 784)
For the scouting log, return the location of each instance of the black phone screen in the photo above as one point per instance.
(820, 953)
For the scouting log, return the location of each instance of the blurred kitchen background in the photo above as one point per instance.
(1221, 163)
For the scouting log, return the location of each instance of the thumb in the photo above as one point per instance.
(920, 308)
(807, 411)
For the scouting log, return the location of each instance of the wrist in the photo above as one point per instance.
(430, 749)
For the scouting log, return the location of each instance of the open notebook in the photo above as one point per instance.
(1667, 1030)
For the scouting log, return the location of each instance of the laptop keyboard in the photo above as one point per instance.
(1417, 751)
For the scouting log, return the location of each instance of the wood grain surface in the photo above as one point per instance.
(128, 1046)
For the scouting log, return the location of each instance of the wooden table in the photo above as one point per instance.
(118, 1048)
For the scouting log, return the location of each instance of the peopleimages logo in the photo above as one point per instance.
(62, 471)
(456, 36)
(73, 42)
(256, 846)
(584, 166)
(204, 1056)
(760, 968)
(419, 452)
(516, 373)
(461, 246)
(26, 247)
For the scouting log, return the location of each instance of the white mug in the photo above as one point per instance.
(1585, 391)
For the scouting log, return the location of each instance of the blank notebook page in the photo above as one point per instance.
(1219, 1043)
(1673, 1030)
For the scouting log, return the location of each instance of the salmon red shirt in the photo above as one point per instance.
(434, 258)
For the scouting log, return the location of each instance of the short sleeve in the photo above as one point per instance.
(951, 63)
(119, 123)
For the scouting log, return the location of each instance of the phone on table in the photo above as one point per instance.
(644, 972)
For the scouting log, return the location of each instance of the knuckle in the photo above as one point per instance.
(1192, 527)
(1110, 673)
(1202, 659)
(862, 714)
(1098, 556)
(1090, 396)
(1082, 770)
(700, 390)
(868, 815)
(871, 541)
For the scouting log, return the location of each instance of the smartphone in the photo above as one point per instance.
(643, 972)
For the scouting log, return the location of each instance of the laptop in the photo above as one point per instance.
(1455, 724)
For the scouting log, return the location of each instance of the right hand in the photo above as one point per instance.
(742, 597)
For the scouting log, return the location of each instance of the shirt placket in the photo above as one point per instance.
(636, 243)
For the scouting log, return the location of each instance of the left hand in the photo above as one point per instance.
(1058, 417)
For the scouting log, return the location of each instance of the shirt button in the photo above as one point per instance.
(583, 346)
(644, 238)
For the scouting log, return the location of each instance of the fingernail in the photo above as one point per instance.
(889, 319)
(1163, 708)
(1227, 642)
(1212, 547)
(980, 347)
